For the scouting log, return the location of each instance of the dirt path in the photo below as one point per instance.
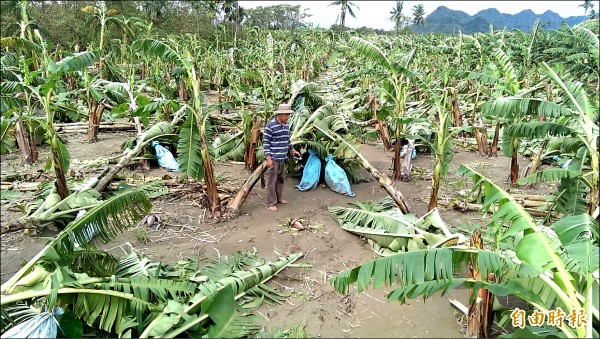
(328, 249)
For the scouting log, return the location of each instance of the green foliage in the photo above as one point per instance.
(159, 49)
(389, 231)
(282, 16)
(7, 136)
(188, 149)
(229, 147)
(565, 252)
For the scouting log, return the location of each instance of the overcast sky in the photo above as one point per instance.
(375, 14)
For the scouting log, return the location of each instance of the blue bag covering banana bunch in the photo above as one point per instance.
(336, 178)
(164, 157)
(311, 172)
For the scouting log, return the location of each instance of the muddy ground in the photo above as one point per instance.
(327, 247)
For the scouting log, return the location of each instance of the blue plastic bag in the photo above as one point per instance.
(311, 172)
(405, 149)
(336, 178)
(42, 325)
(164, 157)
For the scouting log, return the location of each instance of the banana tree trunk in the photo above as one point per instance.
(388, 186)
(480, 315)
(494, 149)
(381, 127)
(250, 153)
(236, 203)
(61, 181)
(112, 173)
(456, 112)
(535, 163)
(167, 113)
(384, 134)
(384, 181)
(183, 95)
(435, 186)
(94, 121)
(209, 179)
(397, 168)
(23, 143)
(129, 153)
(514, 165)
(481, 138)
(138, 126)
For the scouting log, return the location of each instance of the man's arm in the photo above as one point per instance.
(291, 147)
(267, 146)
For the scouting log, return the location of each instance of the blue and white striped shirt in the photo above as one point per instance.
(276, 140)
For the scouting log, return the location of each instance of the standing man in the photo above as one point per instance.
(276, 144)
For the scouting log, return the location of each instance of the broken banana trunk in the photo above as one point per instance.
(480, 315)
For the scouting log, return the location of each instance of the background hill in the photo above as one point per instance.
(446, 20)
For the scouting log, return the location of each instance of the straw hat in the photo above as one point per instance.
(284, 109)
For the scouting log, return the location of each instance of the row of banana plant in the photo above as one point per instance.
(225, 71)
(150, 79)
(411, 87)
(481, 86)
(527, 98)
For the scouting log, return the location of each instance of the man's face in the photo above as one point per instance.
(283, 118)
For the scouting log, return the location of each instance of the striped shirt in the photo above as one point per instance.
(276, 140)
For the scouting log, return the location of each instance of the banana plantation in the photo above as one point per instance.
(474, 160)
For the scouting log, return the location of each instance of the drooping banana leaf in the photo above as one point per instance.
(133, 266)
(7, 136)
(106, 220)
(202, 305)
(229, 147)
(389, 231)
(188, 148)
(228, 322)
(94, 262)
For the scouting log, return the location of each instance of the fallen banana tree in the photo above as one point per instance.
(389, 231)
(161, 128)
(304, 128)
(534, 207)
(71, 282)
(383, 180)
(235, 204)
(49, 208)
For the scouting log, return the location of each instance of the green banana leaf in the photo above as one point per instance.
(389, 231)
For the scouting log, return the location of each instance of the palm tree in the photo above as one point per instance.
(397, 15)
(419, 15)
(588, 6)
(345, 6)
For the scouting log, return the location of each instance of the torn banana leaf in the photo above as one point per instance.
(388, 231)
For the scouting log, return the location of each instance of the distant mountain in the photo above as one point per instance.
(446, 20)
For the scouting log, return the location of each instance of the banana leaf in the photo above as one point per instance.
(389, 231)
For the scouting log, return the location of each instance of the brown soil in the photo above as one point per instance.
(328, 249)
